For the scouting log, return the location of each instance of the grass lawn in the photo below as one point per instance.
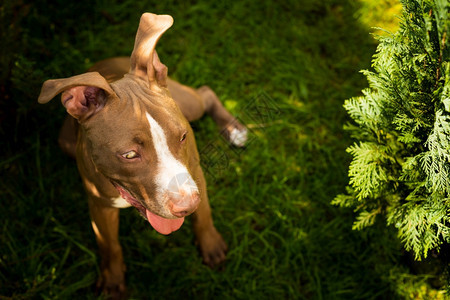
(285, 69)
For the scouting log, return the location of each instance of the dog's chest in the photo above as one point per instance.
(119, 202)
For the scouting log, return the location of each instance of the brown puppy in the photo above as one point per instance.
(128, 128)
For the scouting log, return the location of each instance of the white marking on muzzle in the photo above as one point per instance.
(168, 166)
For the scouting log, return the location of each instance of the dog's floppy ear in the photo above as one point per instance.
(82, 95)
(144, 59)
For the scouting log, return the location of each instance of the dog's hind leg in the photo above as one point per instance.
(194, 103)
(230, 127)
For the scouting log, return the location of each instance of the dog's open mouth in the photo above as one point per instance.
(160, 224)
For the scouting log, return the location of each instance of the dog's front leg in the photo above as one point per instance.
(212, 246)
(105, 222)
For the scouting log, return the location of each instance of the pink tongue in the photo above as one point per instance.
(162, 225)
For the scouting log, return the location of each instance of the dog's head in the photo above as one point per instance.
(135, 133)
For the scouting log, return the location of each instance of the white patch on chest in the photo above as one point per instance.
(119, 202)
(169, 168)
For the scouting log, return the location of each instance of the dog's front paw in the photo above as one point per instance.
(112, 285)
(212, 247)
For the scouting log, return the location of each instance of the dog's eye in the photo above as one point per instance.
(130, 154)
(183, 137)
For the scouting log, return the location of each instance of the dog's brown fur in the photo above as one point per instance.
(105, 106)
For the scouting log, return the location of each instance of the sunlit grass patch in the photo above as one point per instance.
(381, 16)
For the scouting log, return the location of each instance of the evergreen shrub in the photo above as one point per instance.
(400, 166)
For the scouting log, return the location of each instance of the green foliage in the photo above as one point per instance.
(401, 162)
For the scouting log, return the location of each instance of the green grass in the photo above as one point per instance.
(271, 202)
